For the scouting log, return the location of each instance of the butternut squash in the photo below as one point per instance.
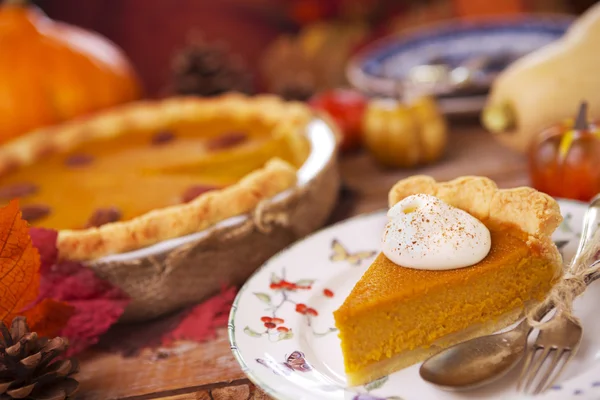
(543, 87)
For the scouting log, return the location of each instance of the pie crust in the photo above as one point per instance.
(535, 213)
(178, 220)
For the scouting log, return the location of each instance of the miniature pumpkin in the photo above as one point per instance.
(399, 135)
(51, 71)
(564, 159)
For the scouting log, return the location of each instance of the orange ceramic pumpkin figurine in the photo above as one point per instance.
(51, 71)
(564, 160)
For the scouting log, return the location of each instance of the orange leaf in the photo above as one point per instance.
(48, 317)
(19, 263)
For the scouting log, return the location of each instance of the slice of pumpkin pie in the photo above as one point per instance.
(460, 259)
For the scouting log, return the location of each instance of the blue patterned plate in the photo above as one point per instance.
(282, 332)
(383, 67)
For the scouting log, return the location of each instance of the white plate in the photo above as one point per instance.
(306, 362)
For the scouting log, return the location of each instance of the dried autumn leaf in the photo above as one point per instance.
(20, 277)
(19, 263)
(48, 317)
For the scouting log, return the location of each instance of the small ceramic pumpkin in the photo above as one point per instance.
(564, 159)
(399, 135)
(51, 71)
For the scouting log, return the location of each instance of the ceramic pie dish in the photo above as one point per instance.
(171, 199)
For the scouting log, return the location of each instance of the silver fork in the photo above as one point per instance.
(562, 338)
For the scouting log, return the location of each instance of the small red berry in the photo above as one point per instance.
(288, 285)
(312, 311)
(301, 308)
(327, 292)
(269, 325)
(266, 319)
(277, 321)
(282, 329)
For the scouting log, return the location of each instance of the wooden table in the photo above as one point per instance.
(208, 370)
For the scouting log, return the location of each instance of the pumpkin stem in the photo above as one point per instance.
(581, 121)
(499, 118)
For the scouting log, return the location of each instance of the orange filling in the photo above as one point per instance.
(119, 178)
(393, 309)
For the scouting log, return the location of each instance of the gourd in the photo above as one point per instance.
(564, 159)
(400, 135)
(51, 72)
(539, 89)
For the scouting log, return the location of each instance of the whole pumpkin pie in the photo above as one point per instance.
(396, 316)
(152, 171)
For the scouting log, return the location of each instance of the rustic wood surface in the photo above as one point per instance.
(208, 370)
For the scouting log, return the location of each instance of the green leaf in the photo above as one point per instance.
(275, 278)
(376, 384)
(305, 282)
(285, 335)
(394, 398)
(327, 332)
(248, 331)
(265, 298)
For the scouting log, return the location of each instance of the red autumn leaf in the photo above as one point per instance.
(198, 323)
(97, 303)
(202, 320)
(20, 277)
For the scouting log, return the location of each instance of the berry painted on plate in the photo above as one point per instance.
(277, 321)
(327, 293)
(269, 325)
(301, 308)
(266, 319)
(312, 311)
(282, 329)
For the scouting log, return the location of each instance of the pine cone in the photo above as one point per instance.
(28, 365)
(205, 69)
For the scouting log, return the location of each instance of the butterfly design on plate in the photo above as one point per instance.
(293, 362)
(341, 254)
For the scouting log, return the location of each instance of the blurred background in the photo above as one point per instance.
(153, 32)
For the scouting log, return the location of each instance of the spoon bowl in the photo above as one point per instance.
(484, 360)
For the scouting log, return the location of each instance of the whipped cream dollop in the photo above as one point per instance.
(424, 232)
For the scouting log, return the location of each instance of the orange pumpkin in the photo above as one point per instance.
(564, 159)
(51, 71)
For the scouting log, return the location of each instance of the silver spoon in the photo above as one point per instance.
(485, 359)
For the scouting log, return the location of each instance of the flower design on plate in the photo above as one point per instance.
(376, 384)
(340, 253)
(282, 292)
(293, 362)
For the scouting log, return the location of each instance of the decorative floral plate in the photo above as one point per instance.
(282, 332)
